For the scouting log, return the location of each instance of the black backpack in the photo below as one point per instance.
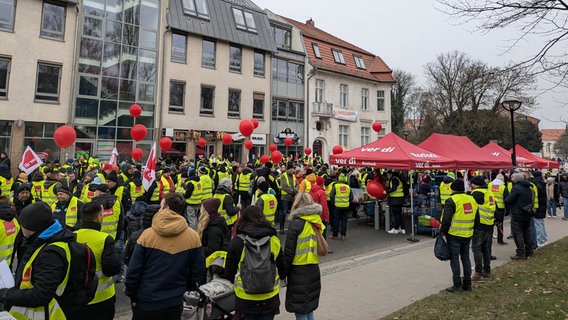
(83, 281)
(258, 269)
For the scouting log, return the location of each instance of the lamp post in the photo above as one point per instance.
(512, 106)
(405, 133)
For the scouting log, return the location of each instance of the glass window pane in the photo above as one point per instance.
(132, 11)
(109, 88)
(234, 102)
(127, 90)
(148, 39)
(107, 113)
(88, 86)
(239, 18)
(146, 92)
(207, 96)
(177, 90)
(92, 27)
(179, 45)
(202, 8)
(258, 108)
(7, 10)
(259, 64)
(235, 59)
(189, 7)
(128, 63)
(47, 87)
(111, 58)
(208, 53)
(53, 21)
(91, 50)
(94, 7)
(86, 111)
(4, 70)
(114, 9)
(130, 35)
(150, 14)
(113, 31)
(251, 25)
(147, 65)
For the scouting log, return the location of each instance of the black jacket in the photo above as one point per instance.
(215, 236)
(107, 200)
(540, 212)
(520, 196)
(479, 197)
(228, 204)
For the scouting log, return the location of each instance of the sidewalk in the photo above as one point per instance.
(377, 284)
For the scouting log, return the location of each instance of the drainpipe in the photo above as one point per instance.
(162, 86)
(74, 72)
(310, 75)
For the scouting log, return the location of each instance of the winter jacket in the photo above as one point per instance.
(318, 194)
(228, 204)
(304, 281)
(167, 261)
(520, 196)
(215, 236)
(110, 262)
(550, 184)
(563, 187)
(540, 212)
(146, 223)
(134, 218)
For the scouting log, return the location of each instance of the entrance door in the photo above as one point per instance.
(317, 148)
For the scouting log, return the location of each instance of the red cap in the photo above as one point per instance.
(320, 181)
(107, 166)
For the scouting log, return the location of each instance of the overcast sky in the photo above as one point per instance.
(409, 34)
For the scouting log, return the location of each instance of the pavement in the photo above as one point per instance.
(373, 274)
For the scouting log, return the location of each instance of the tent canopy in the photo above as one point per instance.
(541, 163)
(466, 153)
(394, 152)
(502, 153)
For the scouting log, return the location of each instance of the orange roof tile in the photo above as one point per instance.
(552, 134)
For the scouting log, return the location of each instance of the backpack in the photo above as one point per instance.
(135, 217)
(83, 281)
(258, 268)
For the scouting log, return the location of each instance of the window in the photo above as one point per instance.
(179, 45)
(359, 62)
(338, 56)
(380, 100)
(4, 77)
(234, 103)
(382, 132)
(258, 64)
(177, 93)
(344, 136)
(343, 95)
(207, 96)
(258, 105)
(39, 136)
(7, 13)
(235, 57)
(47, 82)
(196, 8)
(289, 111)
(365, 135)
(316, 50)
(283, 70)
(52, 21)
(283, 37)
(364, 99)
(208, 54)
(244, 20)
(320, 85)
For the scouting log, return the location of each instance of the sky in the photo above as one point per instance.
(409, 34)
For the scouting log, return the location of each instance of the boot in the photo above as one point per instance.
(457, 287)
(466, 285)
(476, 276)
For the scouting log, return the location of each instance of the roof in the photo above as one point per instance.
(221, 24)
(552, 134)
(376, 68)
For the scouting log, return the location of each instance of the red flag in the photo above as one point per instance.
(30, 161)
(149, 173)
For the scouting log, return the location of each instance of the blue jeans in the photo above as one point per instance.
(282, 213)
(481, 247)
(565, 207)
(325, 230)
(120, 250)
(459, 248)
(551, 207)
(265, 316)
(305, 316)
(341, 215)
(540, 231)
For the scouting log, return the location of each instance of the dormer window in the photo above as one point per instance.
(244, 20)
(359, 62)
(338, 56)
(283, 37)
(316, 50)
(196, 8)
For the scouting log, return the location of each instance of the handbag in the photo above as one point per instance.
(441, 248)
(323, 247)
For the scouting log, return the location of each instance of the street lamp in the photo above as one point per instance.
(405, 133)
(512, 106)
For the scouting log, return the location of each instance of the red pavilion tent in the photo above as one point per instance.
(541, 163)
(502, 153)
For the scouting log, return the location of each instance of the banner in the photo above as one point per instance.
(149, 173)
(113, 157)
(30, 161)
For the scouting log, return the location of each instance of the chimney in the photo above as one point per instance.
(311, 23)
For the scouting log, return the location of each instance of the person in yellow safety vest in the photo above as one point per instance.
(193, 198)
(135, 187)
(37, 184)
(266, 201)
(242, 185)
(6, 182)
(444, 190)
(306, 184)
(206, 184)
(341, 196)
(120, 192)
(395, 200)
(289, 187)
(112, 217)
(67, 208)
(167, 184)
(459, 216)
(107, 265)
(227, 209)
(50, 185)
(126, 173)
(44, 272)
(498, 189)
(9, 229)
(253, 224)
(222, 172)
(483, 231)
(301, 257)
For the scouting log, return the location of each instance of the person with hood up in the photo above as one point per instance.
(67, 209)
(43, 270)
(228, 210)
(253, 306)
(498, 189)
(126, 174)
(6, 182)
(135, 187)
(301, 260)
(520, 196)
(551, 197)
(23, 197)
(167, 261)
(21, 178)
(4, 159)
(9, 230)
(318, 195)
(147, 216)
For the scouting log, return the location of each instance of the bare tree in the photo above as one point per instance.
(400, 95)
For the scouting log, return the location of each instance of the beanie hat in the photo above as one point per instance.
(537, 174)
(478, 181)
(91, 175)
(102, 188)
(36, 216)
(225, 182)
(24, 186)
(202, 170)
(211, 205)
(107, 166)
(451, 175)
(23, 177)
(7, 211)
(268, 165)
(97, 181)
(320, 181)
(290, 166)
(112, 177)
(500, 177)
(309, 171)
(65, 190)
(149, 213)
(263, 186)
(458, 185)
(137, 175)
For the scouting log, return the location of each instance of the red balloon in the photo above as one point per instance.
(272, 147)
(248, 144)
(308, 151)
(376, 189)
(276, 156)
(201, 142)
(227, 138)
(64, 136)
(138, 132)
(377, 126)
(255, 123)
(165, 143)
(246, 127)
(135, 110)
(288, 141)
(136, 154)
(337, 149)
(264, 159)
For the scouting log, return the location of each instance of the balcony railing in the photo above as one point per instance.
(322, 109)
